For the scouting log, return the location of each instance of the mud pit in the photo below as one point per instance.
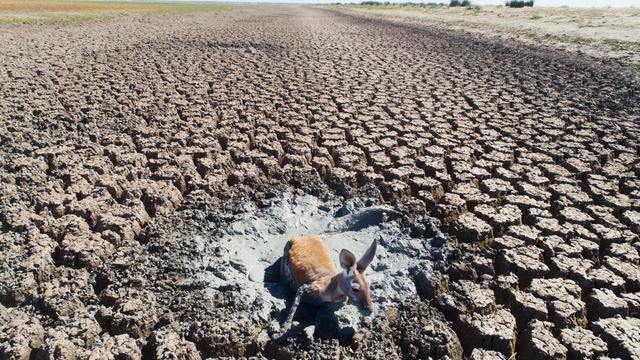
(215, 277)
(129, 147)
(253, 243)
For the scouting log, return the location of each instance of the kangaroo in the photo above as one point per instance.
(307, 268)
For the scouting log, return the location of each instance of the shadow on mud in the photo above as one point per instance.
(240, 262)
(315, 320)
(341, 225)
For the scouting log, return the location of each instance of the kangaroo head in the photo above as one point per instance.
(353, 283)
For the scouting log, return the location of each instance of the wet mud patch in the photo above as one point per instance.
(211, 277)
(245, 261)
(204, 44)
(254, 241)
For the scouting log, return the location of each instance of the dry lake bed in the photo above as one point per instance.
(155, 158)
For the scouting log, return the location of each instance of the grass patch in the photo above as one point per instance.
(619, 45)
(462, 7)
(391, 5)
(613, 44)
(66, 12)
(55, 19)
(472, 10)
(575, 40)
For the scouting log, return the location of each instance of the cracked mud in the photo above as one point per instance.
(153, 167)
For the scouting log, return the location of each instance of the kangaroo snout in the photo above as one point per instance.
(365, 308)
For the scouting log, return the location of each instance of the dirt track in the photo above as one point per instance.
(130, 148)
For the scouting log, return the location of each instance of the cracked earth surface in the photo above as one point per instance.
(125, 144)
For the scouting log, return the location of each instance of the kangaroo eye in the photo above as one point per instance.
(355, 289)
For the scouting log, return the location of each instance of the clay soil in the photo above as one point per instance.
(610, 34)
(153, 166)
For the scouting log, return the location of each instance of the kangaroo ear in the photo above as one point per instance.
(347, 259)
(367, 257)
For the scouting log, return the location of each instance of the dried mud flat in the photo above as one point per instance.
(607, 34)
(152, 167)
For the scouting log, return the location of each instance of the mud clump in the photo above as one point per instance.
(422, 332)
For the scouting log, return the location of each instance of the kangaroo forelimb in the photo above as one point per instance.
(294, 306)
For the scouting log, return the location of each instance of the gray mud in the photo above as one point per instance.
(254, 241)
(211, 278)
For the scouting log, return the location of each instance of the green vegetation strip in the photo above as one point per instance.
(61, 12)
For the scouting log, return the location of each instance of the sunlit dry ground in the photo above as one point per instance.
(151, 164)
(60, 12)
(602, 32)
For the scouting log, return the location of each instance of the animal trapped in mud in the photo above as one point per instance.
(307, 268)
